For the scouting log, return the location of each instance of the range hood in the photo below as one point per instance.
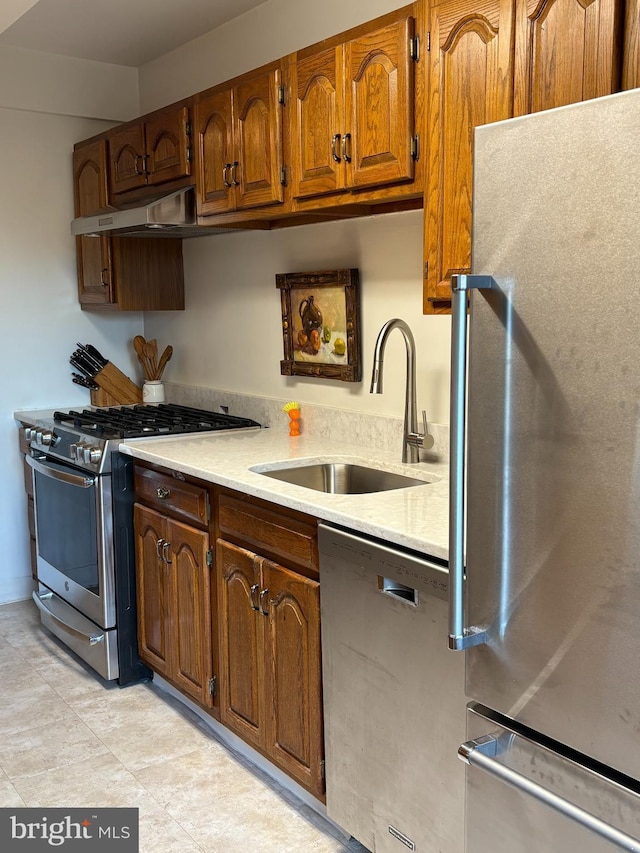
(171, 215)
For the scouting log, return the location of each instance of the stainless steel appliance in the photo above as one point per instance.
(548, 608)
(83, 499)
(393, 696)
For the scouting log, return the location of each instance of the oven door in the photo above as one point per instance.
(74, 537)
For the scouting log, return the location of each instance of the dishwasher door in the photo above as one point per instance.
(394, 703)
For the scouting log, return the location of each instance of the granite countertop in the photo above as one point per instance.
(415, 517)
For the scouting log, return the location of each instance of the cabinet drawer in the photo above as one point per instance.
(287, 538)
(171, 496)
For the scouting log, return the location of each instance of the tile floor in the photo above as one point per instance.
(69, 739)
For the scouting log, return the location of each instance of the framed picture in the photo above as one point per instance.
(320, 324)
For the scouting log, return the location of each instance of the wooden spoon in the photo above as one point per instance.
(164, 358)
(151, 354)
(139, 344)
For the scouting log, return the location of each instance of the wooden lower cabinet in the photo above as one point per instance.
(174, 622)
(270, 672)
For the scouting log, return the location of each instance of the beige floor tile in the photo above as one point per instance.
(53, 745)
(98, 780)
(194, 779)
(258, 820)
(29, 703)
(72, 679)
(160, 833)
(9, 797)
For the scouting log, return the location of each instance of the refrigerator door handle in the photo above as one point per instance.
(481, 753)
(460, 637)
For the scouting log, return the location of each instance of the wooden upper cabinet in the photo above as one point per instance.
(317, 122)
(258, 140)
(470, 83)
(239, 145)
(150, 152)
(91, 196)
(214, 147)
(631, 46)
(90, 179)
(566, 51)
(352, 123)
(379, 106)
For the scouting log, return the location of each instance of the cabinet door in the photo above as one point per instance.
(258, 141)
(566, 51)
(91, 196)
(95, 271)
(167, 145)
(293, 684)
(470, 83)
(317, 125)
(631, 46)
(190, 615)
(126, 159)
(91, 190)
(241, 642)
(379, 106)
(214, 153)
(153, 590)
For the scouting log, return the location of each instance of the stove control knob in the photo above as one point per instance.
(73, 451)
(29, 434)
(92, 454)
(45, 438)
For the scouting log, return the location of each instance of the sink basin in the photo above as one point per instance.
(343, 478)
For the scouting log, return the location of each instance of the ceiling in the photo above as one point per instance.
(123, 32)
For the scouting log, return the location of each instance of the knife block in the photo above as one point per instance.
(116, 389)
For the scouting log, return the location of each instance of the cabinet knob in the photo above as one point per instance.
(163, 493)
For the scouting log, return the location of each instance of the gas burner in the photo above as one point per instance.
(146, 421)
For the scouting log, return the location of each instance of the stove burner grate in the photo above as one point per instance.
(142, 420)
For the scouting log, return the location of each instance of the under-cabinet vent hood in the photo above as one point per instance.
(172, 215)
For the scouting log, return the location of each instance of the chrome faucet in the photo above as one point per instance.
(412, 439)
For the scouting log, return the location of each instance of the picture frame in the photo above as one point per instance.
(320, 324)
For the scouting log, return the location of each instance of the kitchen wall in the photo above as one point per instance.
(230, 335)
(46, 104)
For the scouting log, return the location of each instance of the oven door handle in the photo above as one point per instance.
(39, 598)
(60, 474)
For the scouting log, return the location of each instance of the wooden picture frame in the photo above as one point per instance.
(321, 324)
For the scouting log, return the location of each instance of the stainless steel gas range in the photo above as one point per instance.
(83, 501)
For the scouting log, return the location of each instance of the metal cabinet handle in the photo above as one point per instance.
(159, 544)
(163, 493)
(263, 595)
(459, 636)
(347, 157)
(234, 179)
(104, 281)
(225, 169)
(480, 753)
(254, 598)
(165, 551)
(135, 165)
(335, 141)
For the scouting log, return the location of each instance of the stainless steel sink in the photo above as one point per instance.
(343, 478)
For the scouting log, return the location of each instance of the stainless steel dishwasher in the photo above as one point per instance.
(394, 701)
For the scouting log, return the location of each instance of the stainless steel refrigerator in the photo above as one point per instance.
(547, 611)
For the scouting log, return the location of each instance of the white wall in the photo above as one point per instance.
(41, 319)
(270, 31)
(230, 334)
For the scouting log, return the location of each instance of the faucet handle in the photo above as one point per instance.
(427, 440)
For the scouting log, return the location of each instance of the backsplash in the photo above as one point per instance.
(361, 428)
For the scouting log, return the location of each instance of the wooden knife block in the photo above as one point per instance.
(115, 389)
